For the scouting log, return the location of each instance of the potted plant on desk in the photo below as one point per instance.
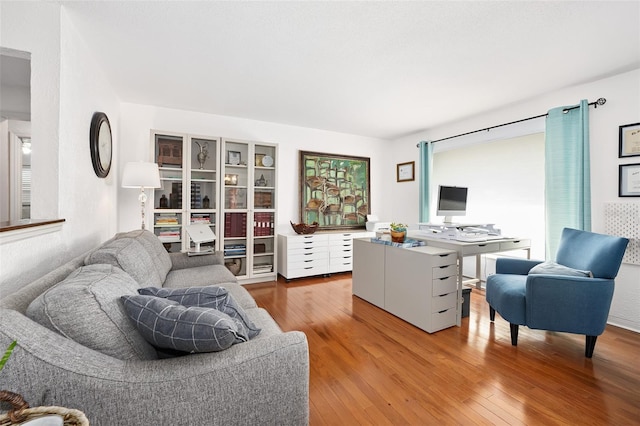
(398, 232)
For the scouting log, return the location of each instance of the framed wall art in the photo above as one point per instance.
(629, 140)
(629, 180)
(334, 190)
(405, 172)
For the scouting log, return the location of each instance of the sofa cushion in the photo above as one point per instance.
(204, 276)
(553, 268)
(85, 307)
(153, 246)
(206, 297)
(199, 276)
(167, 324)
(130, 255)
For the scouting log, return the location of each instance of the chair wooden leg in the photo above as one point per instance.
(514, 334)
(492, 313)
(590, 346)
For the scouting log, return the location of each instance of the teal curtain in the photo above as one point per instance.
(567, 173)
(426, 169)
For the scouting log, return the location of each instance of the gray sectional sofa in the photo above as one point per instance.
(76, 350)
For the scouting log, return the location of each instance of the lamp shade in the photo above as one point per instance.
(140, 174)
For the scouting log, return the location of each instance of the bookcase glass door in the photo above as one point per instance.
(235, 199)
(203, 184)
(168, 199)
(264, 198)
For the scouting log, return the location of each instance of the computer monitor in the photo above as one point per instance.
(452, 201)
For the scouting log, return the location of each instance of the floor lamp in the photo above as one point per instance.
(141, 175)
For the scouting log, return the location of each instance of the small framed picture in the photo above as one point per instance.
(259, 158)
(406, 171)
(629, 180)
(629, 136)
(230, 179)
(233, 157)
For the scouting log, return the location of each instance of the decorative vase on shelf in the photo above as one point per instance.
(203, 154)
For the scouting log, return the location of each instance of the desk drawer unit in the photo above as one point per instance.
(421, 286)
(515, 245)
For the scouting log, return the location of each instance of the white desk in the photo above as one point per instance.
(474, 249)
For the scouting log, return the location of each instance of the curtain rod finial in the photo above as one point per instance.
(600, 101)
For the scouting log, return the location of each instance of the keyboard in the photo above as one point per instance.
(478, 238)
(471, 238)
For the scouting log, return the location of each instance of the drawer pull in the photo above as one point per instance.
(307, 261)
(516, 242)
(443, 267)
(445, 310)
(482, 245)
(443, 278)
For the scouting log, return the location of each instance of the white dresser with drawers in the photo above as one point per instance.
(316, 254)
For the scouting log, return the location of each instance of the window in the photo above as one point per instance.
(506, 185)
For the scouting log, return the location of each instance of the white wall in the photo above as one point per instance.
(67, 87)
(623, 107)
(137, 121)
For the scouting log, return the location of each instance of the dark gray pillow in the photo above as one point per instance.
(167, 324)
(553, 268)
(212, 296)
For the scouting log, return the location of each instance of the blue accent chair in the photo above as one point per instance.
(571, 304)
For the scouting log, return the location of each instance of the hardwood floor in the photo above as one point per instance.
(369, 367)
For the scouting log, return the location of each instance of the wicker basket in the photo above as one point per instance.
(303, 228)
(21, 412)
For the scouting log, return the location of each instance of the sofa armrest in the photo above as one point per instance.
(511, 265)
(568, 304)
(263, 381)
(183, 261)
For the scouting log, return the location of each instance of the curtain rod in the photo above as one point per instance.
(600, 101)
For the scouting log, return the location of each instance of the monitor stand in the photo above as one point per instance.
(198, 252)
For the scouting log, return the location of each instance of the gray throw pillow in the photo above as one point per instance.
(167, 324)
(212, 296)
(553, 268)
(85, 307)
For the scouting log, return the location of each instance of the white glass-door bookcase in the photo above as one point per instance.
(190, 185)
(248, 209)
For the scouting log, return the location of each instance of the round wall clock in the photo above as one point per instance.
(100, 142)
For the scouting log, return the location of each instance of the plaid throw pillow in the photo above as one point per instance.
(212, 296)
(167, 324)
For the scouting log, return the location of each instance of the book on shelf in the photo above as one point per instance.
(200, 219)
(408, 242)
(261, 269)
(167, 220)
(235, 249)
(235, 224)
(263, 224)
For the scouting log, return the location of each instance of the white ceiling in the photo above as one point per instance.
(381, 69)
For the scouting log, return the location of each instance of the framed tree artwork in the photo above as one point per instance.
(334, 190)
